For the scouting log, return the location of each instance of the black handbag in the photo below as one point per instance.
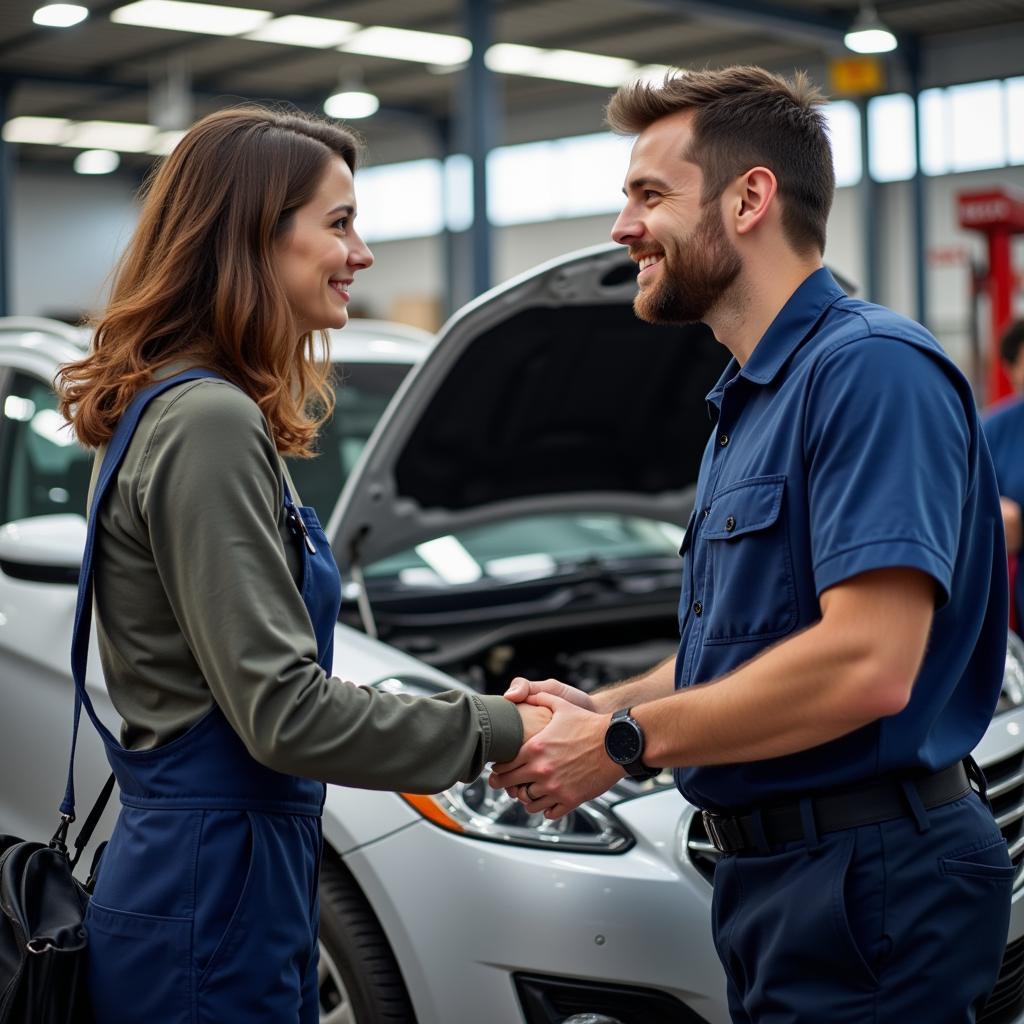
(42, 939)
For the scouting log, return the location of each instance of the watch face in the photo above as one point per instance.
(622, 741)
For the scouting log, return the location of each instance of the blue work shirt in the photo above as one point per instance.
(848, 442)
(1004, 429)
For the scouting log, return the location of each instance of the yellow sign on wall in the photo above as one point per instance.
(856, 76)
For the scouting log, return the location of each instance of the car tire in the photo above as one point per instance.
(360, 982)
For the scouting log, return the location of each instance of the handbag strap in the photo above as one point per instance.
(112, 459)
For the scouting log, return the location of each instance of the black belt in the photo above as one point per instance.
(878, 801)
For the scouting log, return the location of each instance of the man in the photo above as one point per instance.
(843, 607)
(1004, 429)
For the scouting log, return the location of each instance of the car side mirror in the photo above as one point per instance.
(43, 549)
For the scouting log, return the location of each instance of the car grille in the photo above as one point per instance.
(1006, 794)
(1006, 1000)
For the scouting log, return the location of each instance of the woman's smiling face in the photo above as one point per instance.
(319, 253)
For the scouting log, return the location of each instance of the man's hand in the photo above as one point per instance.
(521, 689)
(562, 766)
(534, 719)
(1011, 524)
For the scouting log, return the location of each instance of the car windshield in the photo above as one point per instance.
(363, 392)
(528, 547)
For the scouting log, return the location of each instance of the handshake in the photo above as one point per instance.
(562, 760)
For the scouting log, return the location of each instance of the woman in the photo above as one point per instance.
(216, 594)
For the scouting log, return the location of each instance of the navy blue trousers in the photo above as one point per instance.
(882, 924)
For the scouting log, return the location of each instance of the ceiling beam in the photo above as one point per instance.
(819, 27)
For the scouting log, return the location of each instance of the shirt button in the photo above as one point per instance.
(730, 524)
(723, 440)
(697, 608)
(706, 513)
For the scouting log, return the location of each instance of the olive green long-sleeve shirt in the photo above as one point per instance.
(197, 602)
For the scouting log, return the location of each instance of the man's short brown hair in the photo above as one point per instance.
(746, 117)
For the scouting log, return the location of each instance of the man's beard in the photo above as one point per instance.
(694, 277)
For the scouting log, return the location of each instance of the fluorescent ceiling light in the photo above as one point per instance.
(868, 34)
(165, 142)
(652, 74)
(60, 15)
(298, 30)
(190, 17)
(514, 59)
(404, 44)
(560, 65)
(351, 104)
(97, 161)
(44, 131)
(587, 68)
(119, 135)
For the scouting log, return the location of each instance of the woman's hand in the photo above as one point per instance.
(521, 689)
(534, 719)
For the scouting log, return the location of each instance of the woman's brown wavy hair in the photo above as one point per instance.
(197, 280)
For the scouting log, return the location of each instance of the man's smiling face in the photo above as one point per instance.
(686, 260)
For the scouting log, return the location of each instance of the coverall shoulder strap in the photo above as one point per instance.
(112, 459)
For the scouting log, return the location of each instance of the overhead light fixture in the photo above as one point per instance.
(560, 65)
(651, 74)
(41, 131)
(120, 135)
(60, 15)
(184, 16)
(299, 30)
(165, 142)
(351, 103)
(405, 44)
(868, 34)
(97, 161)
(514, 59)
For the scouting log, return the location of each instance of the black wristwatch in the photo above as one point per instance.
(624, 744)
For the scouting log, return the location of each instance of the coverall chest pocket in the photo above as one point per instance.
(752, 593)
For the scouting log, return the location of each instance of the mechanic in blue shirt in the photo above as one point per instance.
(843, 607)
(1004, 429)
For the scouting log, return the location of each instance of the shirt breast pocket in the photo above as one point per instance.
(752, 593)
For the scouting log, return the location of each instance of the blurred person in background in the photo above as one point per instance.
(1004, 430)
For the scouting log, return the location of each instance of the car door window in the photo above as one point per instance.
(43, 470)
(363, 391)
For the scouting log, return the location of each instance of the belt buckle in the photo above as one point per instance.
(711, 827)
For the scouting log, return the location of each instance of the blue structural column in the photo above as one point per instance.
(6, 206)
(868, 195)
(912, 50)
(478, 132)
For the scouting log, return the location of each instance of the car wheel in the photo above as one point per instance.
(359, 979)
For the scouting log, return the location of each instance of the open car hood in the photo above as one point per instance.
(546, 394)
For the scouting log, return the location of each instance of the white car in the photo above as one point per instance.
(515, 509)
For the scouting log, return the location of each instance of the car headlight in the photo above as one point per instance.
(1012, 694)
(476, 810)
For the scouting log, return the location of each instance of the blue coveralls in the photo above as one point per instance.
(206, 908)
(848, 442)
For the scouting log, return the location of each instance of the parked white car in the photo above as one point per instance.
(511, 506)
